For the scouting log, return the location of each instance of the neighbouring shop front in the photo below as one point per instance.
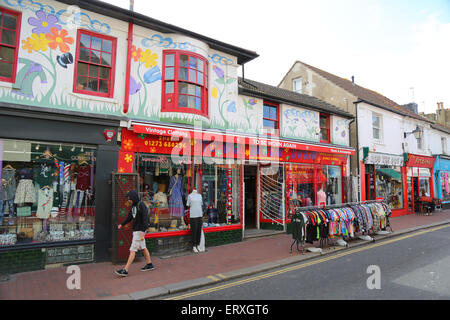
(419, 175)
(54, 198)
(242, 180)
(442, 179)
(382, 176)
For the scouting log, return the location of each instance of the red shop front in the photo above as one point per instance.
(419, 177)
(171, 162)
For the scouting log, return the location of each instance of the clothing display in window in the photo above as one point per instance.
(25, 192)
(83, 177)
(40, 189)
(176, 207)
(8, 185)
(45, 203)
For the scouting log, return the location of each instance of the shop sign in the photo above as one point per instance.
(420, 161)
(109, 134)
(384, 159)
(208, 136)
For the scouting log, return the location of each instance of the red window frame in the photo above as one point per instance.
(170, 101)
(327, 116)
(112, 67)
(277, 120)
(18, 16)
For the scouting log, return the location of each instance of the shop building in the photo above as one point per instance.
(388, 137)
(442, 179)
(247, 181)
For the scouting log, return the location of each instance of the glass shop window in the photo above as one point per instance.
(219, 185)
(389, 185)
(300, 184)
(164, 187)
(47, 192)
(445, 185)
(333, 184)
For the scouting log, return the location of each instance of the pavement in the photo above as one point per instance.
(189, 271)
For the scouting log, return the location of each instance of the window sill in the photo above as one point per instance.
(6, 84)
(94, 98)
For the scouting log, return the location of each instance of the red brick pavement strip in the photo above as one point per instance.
(99, 282)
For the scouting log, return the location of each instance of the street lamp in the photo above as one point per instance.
(417, 131)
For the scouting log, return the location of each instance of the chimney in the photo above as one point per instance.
(353, 79)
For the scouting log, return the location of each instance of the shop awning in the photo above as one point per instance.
(207, 135)
(391, 173)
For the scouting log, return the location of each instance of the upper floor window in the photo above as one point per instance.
(9, 43)
(324, 128)
(376, 126)
(297, 85)
(95, 64)
(185, 83)
(271, 118)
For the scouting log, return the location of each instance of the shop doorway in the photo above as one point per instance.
(250, 205)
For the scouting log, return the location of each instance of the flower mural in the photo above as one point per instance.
(136, 53)
(300, 123)
(249, 105)
(59, 39)
(218, 94)
(148, 60)
(43, 23)
(47, 36)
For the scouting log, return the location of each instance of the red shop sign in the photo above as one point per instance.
(420, 161)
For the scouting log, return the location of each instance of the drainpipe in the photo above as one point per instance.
(126, 103)
(357, 145)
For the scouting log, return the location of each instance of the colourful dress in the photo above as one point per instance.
(176, 206)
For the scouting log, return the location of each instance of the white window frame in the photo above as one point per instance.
(296, 81)
(380, 127)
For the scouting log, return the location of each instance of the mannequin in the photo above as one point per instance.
(195, 203)
(321, 197)
(176, 207)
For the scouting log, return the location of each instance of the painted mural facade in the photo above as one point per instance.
(46, 73)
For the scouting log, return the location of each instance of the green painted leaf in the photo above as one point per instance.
(220, 81)
(230, 80)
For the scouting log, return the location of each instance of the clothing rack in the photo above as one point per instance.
(328, 240)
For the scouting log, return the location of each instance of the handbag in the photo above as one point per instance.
(24, 211)
(25, 230)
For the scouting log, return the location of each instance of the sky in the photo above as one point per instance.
(398, 48)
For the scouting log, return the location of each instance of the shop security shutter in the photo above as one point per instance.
(122, 183)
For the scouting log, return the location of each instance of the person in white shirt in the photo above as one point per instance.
(195, 203)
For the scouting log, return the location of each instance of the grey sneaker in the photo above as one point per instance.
(148, 267)
(121, 272)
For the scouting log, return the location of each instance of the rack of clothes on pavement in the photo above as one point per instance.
(335, 224)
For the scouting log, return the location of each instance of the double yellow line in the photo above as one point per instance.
(297, 267)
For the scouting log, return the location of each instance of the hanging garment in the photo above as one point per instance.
(8, 184)
(83, 178)
(176, 206)
(45, 203)
(25, 192)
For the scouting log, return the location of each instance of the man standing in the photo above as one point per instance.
(139, 215)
